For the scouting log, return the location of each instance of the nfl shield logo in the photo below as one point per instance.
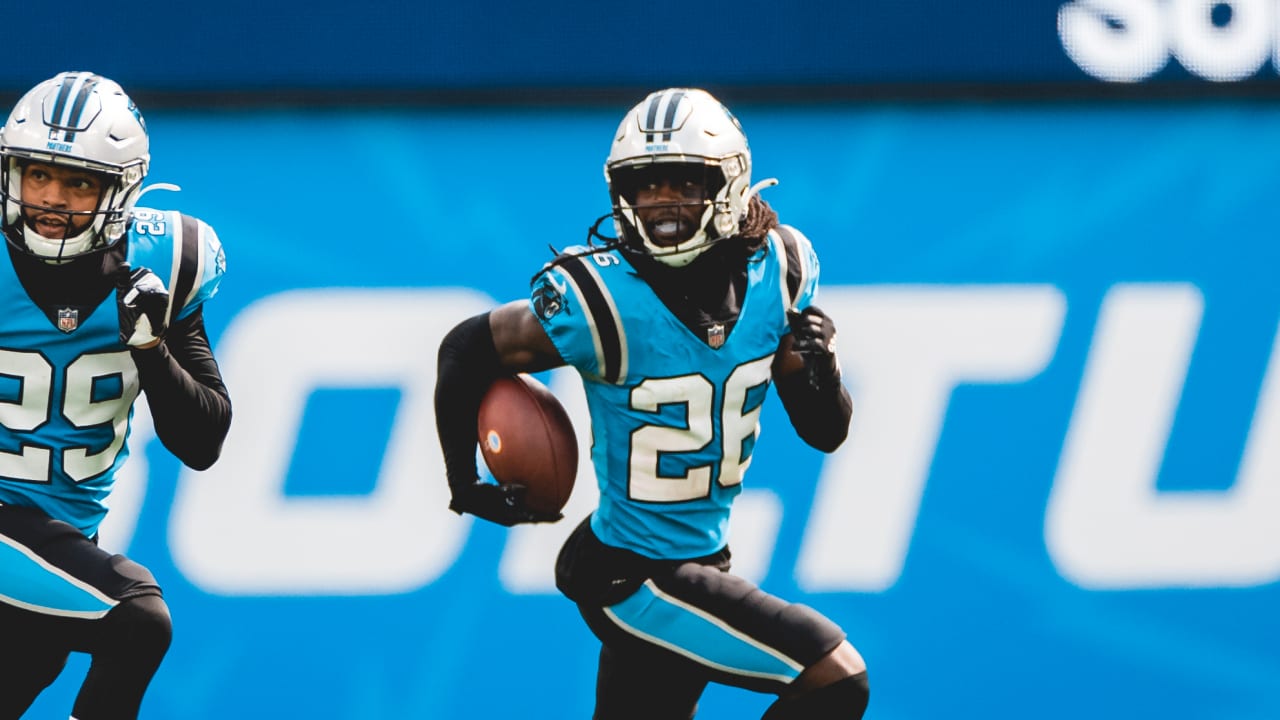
(68, 319)
(715, 336)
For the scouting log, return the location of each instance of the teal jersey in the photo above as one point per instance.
(674, 416)
(67, 386)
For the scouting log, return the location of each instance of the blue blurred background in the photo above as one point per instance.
(1048, 238)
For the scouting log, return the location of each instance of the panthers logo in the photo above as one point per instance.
(548, 299)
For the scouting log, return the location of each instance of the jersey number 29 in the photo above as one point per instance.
(33, 409)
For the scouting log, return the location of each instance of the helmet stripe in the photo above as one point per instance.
(54, 118)
(669, 122)
(651, 117)
(66, 111)
(671, 98)
(77, 108)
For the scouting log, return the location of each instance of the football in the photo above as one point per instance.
(526, 438)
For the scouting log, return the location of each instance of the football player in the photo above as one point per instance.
(677, 327)
(102, 301)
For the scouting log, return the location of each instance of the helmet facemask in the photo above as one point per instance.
(107, 221)
(696, 212)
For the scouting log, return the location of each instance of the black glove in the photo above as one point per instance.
(143, 303)
(502, 504)
(813, 336)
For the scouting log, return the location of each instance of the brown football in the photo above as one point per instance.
(526, 438)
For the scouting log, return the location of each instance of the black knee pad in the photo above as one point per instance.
(139, 626)
(841, 700)
(128, 645)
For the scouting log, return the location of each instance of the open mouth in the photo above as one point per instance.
(671, 229)
(667, 229)
(51, 226)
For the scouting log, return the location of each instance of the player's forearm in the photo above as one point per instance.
(468, 364)
(821, 414)
(190, 407)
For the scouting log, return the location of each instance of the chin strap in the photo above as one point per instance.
(57, 251)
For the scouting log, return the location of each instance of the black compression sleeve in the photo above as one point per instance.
(189, 403)
(468, 365)
(820, 415)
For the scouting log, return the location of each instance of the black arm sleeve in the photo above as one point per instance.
(468, 365)
(820, 415)
(189, 403)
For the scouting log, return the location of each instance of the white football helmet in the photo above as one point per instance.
(78, 120)
(682, 125)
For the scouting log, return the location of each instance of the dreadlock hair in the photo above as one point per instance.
(756, 224)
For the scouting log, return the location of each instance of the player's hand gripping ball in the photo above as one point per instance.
(526, 439)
